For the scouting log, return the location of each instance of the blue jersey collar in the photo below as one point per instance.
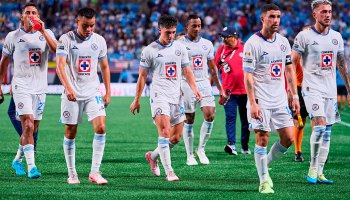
(76, 33)
(169, 45)
(314, 29)
(194, 41)
(261, 35)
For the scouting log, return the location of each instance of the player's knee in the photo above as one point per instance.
(209, 117)
(189, 119)
(28, 126)
(174, 140)
(100, 129)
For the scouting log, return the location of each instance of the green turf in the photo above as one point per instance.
(124, 165)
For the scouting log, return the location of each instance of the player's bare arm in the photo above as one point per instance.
(249, 87)
(106, 80)
(61, 63)
(292, 85)
(343, 69)
(4, 63)
(187, 71)
(214, 76)
(50, 42)
(135, 105)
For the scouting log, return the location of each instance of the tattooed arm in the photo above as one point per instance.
(344, 73)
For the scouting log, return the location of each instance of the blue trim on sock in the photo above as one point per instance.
(162, 140)
(280, 147)
(69, 142)
(260, 150)
(28, 147)
(100, 137)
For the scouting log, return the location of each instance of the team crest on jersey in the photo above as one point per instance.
(204, 47)
(276, 70)
(283, 48)
(42, 38)
(84, 65)
(170, 71)
(326, 59)
(197, 62)
(34, 57)
(177, 52)
(94, 46)
(335, 41)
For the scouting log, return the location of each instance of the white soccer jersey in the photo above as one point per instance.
(165, 63)
(267, 61)
(83, 57)
(30, 56)
(319, 53)
(199, 52)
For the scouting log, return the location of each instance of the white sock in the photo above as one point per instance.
(20, 154)
(98, 146)
(276, 151)
(315, 142)
(164, 153)
(29, 154)
(69, 155)
(261, 162)
(188, 137)
(155, 154)
(206, 129)
(324, 150)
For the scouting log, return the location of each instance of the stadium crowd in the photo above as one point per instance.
(129, 25)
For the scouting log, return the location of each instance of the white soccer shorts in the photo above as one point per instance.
(174, 111)
(30, 104)
(271, 119)
(190, 101)
(72, 112)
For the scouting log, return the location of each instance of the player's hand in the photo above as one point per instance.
(71, 96)
(135, 105)
(2, 98)
(107, 99)
(295, 106)
(255, 111)
(290, 98)
(198, 96)
(42, 24)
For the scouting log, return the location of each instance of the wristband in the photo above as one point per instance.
(295, 96)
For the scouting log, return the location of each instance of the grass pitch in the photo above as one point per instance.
(124, 166)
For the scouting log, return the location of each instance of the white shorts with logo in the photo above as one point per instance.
(72, 112)
(318, 106)
(30, 104)
(271, 119)
(174, 111)
(190, 101)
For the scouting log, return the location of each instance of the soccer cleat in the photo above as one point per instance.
(323, 180)
(312, 175)
(73, 179)
(265, 188)
(202, 157)
(247, 152)
(191, 161)
(153, 164)
(298, 157)
(230, 149)
(97, 178)
(34, 173)
(269, 180)
(171, 176)
(18, 166)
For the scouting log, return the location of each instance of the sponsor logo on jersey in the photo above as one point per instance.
(20, 40)
(264, 54)
(188, 48)
(75, 47)
(94, 46)
(34, 57)
(170, 71)
(326, 59)
(159, 55)
(315, 43)
(197, 62)
(276, 70)
(84, 65)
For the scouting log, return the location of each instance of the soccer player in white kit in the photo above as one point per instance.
(167, 60)
(79, 53)
(322, 51)
(266, 62)
(201, 56)
(29, 49)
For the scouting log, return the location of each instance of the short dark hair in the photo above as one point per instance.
(192, 16)
(167, 21)
(268, 7)
(87, 12)
(30, 4)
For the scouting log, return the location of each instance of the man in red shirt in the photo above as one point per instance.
(228, 59)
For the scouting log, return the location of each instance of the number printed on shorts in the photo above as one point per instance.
(99, 99)
(40, 106)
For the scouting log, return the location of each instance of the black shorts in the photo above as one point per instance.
(341, 90)
(303, 112)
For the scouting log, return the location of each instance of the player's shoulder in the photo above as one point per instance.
(13, 34)
(98, 36)
(282, 38)
(336, 33)
(205, 41)
(253, 40)
(67, 36)
(177, 43)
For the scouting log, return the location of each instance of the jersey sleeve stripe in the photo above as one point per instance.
(6, 53)
(61, 54)
(248, 69)
(340, 53)
(102, 58)
(297, 50)
(144, 67)
(185, 64)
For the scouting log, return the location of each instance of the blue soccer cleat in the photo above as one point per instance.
(34, 173)
(312, 175)
(323, 180)
(18, 166)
